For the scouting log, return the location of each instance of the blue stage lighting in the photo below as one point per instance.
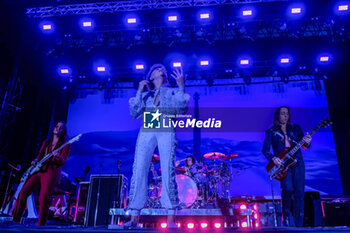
(284, 60)
(247, 12)
(204, 62)
(343, 7)
(244, 61)
(323, 59)
(132, 20)
(64, 71)
(101, 69)
(47, 27)
(139, 66)
(177, 64)
(295, 10)
(172, 18)
(204, 16)
(87, 24)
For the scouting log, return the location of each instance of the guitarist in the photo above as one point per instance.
(283, 135)
(47, 178)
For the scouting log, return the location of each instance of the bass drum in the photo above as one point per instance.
(187, 189)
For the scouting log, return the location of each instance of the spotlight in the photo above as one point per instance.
(204, 63)
(177, 64)
(295, 10)
(244, 62)
(64, 71)
(47, 27)
(178, 225)
(343, 7)
(101, 69)
(257, 224)
(247, 12)
(256, 216)
(217, 225)
(324, 59)
(87, 24)
(243, 207)
(172, 18)
(190, 225)
(164, 225)
(204, 16)
(284, 60)
(244, 224)
(140, 66)
(131, 20)
(204, 225)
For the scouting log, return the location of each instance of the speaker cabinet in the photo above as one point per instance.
(105, 192)
(80, 208)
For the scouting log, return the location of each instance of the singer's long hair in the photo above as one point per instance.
(156, 66)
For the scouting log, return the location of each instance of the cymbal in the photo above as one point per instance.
(155, 158)
(213, 155)
(227, 157)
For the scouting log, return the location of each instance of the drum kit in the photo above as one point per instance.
(200, 184)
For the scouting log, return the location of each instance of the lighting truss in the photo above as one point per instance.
(117, 6)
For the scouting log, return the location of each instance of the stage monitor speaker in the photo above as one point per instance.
(313, 216)
(80, 208)
(105, 192)
(337, 213)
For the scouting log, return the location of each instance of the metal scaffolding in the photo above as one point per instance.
(117, 6)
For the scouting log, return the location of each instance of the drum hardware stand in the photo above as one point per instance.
(274, 203)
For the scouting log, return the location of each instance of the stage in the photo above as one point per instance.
(64, 229)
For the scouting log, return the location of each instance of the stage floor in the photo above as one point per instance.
(63, 229)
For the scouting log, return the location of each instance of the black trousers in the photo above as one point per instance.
(294, 184)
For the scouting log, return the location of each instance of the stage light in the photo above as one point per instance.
(101, 69)
(64, 71)
(47, 27)
(178, 225)
(244, 224)
(204, 16)
(172, 18)
(190, 225)
(295, 10)
(164, 225)
(257, 224)
(140, 66)
(243, 207)
(177, 64)
(204, 63)
(324, 59)
(256, 216)
(343, 7)
(87, 24)
(131, 20)
(217, 225)
(247, 12)
(244, 62)
(255, 207)
(204, 225)
(285, 60)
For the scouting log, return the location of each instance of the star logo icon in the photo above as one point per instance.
(156, 115)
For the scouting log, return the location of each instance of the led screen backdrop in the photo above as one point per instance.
(109, 132)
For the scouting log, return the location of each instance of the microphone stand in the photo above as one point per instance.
(8, 186)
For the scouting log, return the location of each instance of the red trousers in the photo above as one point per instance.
(47, 182)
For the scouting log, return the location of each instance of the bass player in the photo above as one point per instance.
(48, 177)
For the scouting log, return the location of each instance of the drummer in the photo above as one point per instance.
(196, 170)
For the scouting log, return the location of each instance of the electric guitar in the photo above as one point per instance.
(287, 156)
(34, 169)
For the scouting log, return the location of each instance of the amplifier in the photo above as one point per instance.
(105, 192)
(80, 208)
